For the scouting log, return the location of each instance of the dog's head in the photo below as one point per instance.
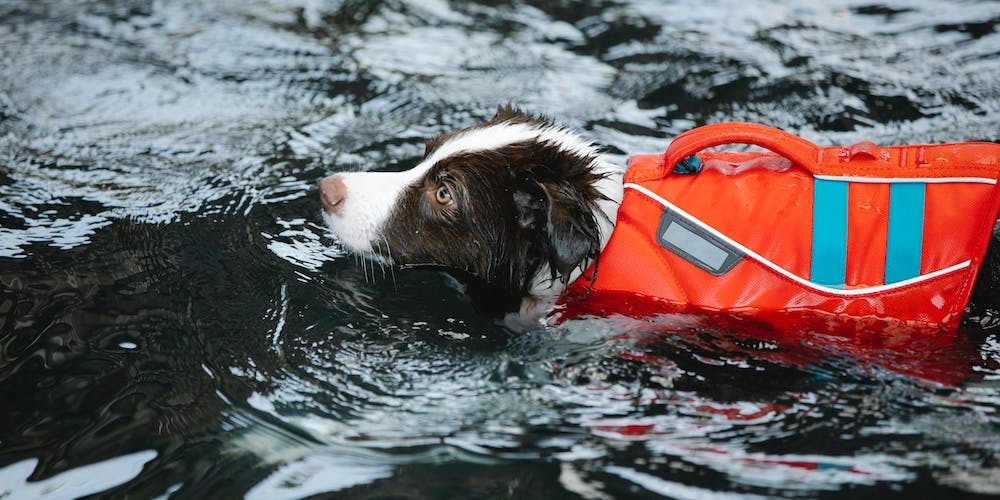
(517, 207)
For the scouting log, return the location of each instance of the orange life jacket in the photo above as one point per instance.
(863, 231)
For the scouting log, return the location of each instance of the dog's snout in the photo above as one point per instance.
(332, 193)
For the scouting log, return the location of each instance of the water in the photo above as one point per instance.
(174, 321)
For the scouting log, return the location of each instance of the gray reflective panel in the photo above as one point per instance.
(695, 246)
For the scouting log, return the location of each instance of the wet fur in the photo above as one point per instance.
(522, 209)
(528, 215)
(529, 219)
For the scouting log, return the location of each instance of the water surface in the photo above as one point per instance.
(174, 321)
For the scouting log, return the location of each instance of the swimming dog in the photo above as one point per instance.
(516, 208)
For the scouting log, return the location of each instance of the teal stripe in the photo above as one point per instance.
(829, 244)
(906, 231)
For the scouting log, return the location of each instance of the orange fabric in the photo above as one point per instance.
(790, 203)
(763, 201)
(952, 205)
(977, 159)
(866, 241)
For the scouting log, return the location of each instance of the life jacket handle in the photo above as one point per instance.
(799, 150)
(968, 159)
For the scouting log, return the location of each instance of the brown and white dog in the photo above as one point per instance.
(516, 208)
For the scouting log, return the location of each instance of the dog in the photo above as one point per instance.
(516, 208)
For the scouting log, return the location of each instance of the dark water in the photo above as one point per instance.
(174, 321)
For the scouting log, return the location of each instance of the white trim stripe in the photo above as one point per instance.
(786, 273)
(504, 134)
(898, 180)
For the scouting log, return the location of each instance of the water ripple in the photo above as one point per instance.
(166, 282)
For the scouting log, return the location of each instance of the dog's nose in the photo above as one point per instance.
(332, 193)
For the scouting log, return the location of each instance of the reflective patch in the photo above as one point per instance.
(829, 238)
(906, 232)
(695, 245)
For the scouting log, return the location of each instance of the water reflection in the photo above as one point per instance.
(174, 320)
(79, 482)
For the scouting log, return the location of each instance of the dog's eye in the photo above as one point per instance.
(443, 195)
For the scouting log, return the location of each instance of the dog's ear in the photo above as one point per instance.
(573, 230)
(531, 204)
(563, 218)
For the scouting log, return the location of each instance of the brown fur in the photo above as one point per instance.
(518, 209)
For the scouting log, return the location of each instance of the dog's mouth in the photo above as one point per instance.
(359, 243)
(356, 238)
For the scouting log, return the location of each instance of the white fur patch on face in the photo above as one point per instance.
(372, 196)
(368, 204)
(503, 134)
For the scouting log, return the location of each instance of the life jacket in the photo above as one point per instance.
(884, 233)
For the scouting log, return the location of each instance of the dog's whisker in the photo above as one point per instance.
(498, 205)
(388, 253)
(364, 269)
(377, 248)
